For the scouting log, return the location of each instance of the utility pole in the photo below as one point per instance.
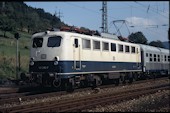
(16, 35)
(104, 17)
(59, 14)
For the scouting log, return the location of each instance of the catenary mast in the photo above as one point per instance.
(104, 17)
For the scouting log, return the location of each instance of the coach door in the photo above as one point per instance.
(77, 54)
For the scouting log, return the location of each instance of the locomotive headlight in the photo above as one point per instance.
(55, 62)
(56, 59)
(31, 61)
(47, 32)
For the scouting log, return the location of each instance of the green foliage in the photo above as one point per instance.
(138, 37)
(6, 69)
(6, 24)
(8, 54)
(83, 28)
(157, 43)
(18, 16)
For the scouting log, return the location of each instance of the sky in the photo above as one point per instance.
(149, 17)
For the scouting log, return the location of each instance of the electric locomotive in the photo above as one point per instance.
(72, 58)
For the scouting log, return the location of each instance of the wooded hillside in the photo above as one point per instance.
(18, 16)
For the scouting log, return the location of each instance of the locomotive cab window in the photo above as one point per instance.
(37, 42)
(54, 41)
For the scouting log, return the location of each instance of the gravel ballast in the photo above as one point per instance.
(157, 102)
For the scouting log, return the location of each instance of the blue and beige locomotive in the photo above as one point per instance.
(70, 59)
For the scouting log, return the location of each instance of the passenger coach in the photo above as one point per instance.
(155, 60)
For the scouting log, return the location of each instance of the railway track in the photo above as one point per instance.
(84, 102)
(6, 90)
(20, 97)
(20, 89)
(15, 97)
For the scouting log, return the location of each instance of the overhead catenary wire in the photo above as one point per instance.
(151, 8)
(94, 11)
(152, 32)
(150, 26)
(97, 12)
(143, 7)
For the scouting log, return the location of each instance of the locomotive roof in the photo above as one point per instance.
(83, 36)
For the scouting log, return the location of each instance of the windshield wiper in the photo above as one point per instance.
(35, 45)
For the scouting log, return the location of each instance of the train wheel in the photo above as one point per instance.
(56, 83)
(96, 82)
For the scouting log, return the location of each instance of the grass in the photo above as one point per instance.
(8, 54)
(11, 51)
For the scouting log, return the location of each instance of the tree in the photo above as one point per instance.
(157, 43)
(137, 37)
(19, 16)
(6, 24)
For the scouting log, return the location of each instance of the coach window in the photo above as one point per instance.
(154, 57)
(158, 58)
(54, 41)
(37, 42)
(168, 58)
(96, 44)
(120, 48)
(86, 44)
(127, 49)
(105, 46)
(165, 58)
(113, 47)
(150, 57)
(132, 49)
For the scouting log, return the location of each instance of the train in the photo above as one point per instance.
(71, 58)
